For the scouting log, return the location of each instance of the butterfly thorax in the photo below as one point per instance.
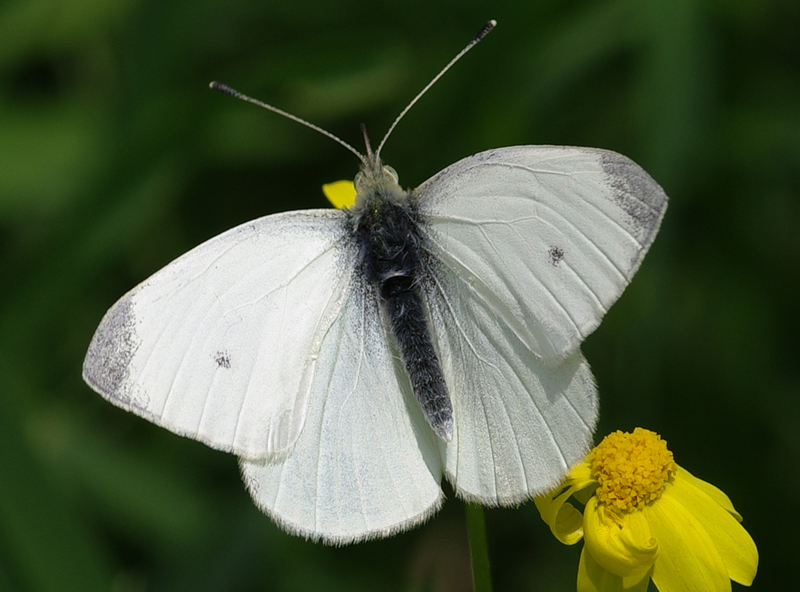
(387, 228)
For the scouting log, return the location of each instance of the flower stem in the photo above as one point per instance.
(478, 549)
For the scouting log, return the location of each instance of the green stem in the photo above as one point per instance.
(478, 549)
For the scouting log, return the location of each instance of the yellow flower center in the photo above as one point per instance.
(631, 469)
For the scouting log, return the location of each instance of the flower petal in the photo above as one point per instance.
(341, 194)
(689, 560)
(716, 494)
(565, 522)
(620, 544)
(581, 475)
(734, 543)
(582, 481)
(592, 577)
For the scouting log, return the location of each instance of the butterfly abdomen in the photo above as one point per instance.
(407, 317)
(388, 236)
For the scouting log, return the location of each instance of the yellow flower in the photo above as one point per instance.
(341, 194)
(646, 517)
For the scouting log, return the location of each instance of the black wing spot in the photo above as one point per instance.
(555, 255)
(222, 359)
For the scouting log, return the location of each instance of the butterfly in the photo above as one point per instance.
(353, 357)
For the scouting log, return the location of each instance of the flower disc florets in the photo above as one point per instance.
(631, 469)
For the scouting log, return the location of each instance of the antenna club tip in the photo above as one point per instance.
(223, 88)
(486, 29)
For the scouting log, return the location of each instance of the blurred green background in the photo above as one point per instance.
(115, 158)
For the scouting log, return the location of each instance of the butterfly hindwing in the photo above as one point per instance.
(520, 423)
(367, 463)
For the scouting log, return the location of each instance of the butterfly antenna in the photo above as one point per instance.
(235, 93)
(481, 34)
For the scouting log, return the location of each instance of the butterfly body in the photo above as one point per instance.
(386, 227)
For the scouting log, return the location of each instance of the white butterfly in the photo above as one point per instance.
(353, 357)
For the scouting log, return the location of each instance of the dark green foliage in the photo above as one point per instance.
(115, 158)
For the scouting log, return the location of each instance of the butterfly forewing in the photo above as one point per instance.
(220, 345)
(547, 236)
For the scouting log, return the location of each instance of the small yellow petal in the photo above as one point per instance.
(689, 560)
(592, 577)
(621, 544)
(734, 543)
(341, 194)
(580, 474)
(565, 522)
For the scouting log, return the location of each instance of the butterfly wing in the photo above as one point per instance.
(529, 247)
(366, 464)
(220, 345)
(547, 236)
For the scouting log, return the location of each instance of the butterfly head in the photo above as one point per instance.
(375, 184)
